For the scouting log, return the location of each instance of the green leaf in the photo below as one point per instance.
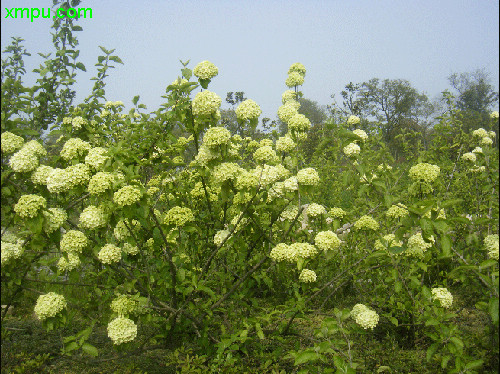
(90, 349)
(493, 309)
(446, 246)
(204, 82)
(116, 59)
(135, 100)
(474, 364)
(458, 343)
(81, 66)
(431, 351)
(306, 356)
(186, 73)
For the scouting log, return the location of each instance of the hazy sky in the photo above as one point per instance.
(253, 43)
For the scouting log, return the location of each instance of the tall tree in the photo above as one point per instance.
(475, 93)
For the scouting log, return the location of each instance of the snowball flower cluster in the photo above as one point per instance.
(491, 244)
(288, 95)
(206, 103)
(397, 211)
(285, 144)
(78, 122)
(289, 213)
(298, 123)
(337, 213)
(424, 172)
(307, 276)
(70, 263)
(248, 110)
(121, 231)
(291, 184)
(205, 70)
(100, 182)
(480, 133)
(109, 253)
(282, 252)
(361, 134)
(353, 120)
(73, 241)
(127, 195)
(11, 250)
(417, 245)
(216, 136)
(298, 68)
(96, 157)
(92, 217)
(294, 79)
(226, 171)
(49, 305)
(28, 206)
(477, 150)
(73, 148)
(351, 149)
(469, 156)
(486, 141)
(364, 316)
(124, 305)
(308, 177)
(122, 330)
(286, 111)
(304, 250)
(41, 174)
(11, 142)
(366, 223)
(444, 297)
(178, 216)
(326, 240)
(54, 219)
(266, 155)
(220, 236)
(23, 161)
(315, 210)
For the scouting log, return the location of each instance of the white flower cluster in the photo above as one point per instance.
(353, 120)
(361, 134)
(397, 211)
(130, 249)
(122, 330)
(289, 213)
(73, 148)
(100, 182)
(216, 137)
(417, 245)
(282, 252)
(206, 103)
(308, 177)
(179, 81)
(327, 240)
(351, 149)
(494, 115)
(294, 79)
(205, 70)
(265, 154)
(110, 104)
(92, 217)
(11, 142)
(314, 210)
(285, 144)
(288, 95)
(127, 195)
(480, 133)
(382, 167)
(73, 241)
(486, 141)
(97, 157)
(287, 111)
(248, 110)
(70, 263)
(469, 156)
(124, 305)
(49, 305)
(109, 253)
(54, 219)
(444, 297)
(366, 223)
(11, 250)
(27, 158)
(291, 184)
(424, 172)
(307, 276)
(40, 175)
(220, 236)
(178, 216)
(364, 316)
(226, 171)
(28, 206)
(269, 174)
(304, 250)
(491, 244)
(337, 213)
(298, 123)
(61, 180)
(77, 122)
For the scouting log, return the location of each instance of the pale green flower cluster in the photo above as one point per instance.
(226, 171)
(477, 169)
(248, 110)
(34, 147)
(469, 156)
(289, 213)
(397, 211)
(61, 180)
(130, 249)
(179, 82)
(11, 142)
(265, 154)
(122, 330)
(494, 115)
(110, 104)
(54, 219)
(287, 111)
(491, 244)
(384, 167)
(353, 120)
(41, 174)
(315, 210)
(308, 177)
(269, 174)
(28, 206)
(480, 133)
(298, 68)
(266, 143)
(304, 250)
(97, 157)
(486, 141)
(361, 134)
(109, 253)
(72, 262)
(206, 103)
(327, 240)
(365, 179)
(276, 191)
(444, 297)
(100, 182)
(11, 250)
(127, 195)
(216, 137)
(220, 236)
(441, 214)
(294, 79)
(307, 276)
(298, 123)
(282, 252)
(288, 95)
(424, 172)
(77, 122)
(49, 305)
(477, 150)
(124, 305)
(205, 70)
(417, 245)
(92, 217)
(337, 213)
(178, 216)
(73, 148)
(364, 316)
(351, 149)
(291, 184)
(27, 158)
(73, 241)
(285, 144)
(391, 242)
(366, 223)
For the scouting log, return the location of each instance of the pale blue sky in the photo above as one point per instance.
(254, 42)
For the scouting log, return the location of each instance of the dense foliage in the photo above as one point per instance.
(171, 222)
